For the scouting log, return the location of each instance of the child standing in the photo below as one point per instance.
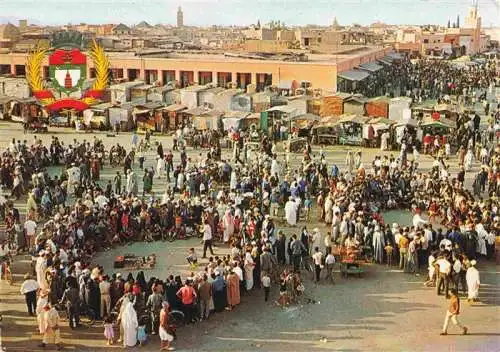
(307, 207)
(266, 283)
(141, 333)
(109, 333)
(388, 252)
(192, 259)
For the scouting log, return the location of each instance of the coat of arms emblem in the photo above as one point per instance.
(68, 73)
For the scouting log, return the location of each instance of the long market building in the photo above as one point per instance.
(318, 71)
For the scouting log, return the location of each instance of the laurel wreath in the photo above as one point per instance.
(33, 70)
(35, 79)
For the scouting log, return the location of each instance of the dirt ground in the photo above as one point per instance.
(385, 310)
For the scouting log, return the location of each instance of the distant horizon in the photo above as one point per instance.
(205, 13)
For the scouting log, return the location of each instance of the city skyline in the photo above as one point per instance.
(231, 12)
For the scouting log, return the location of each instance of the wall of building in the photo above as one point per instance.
(320, 74)
(268, 46)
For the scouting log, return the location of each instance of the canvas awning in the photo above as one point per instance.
(381, 120)
(175, 108)
(442, 122)
(6, 99)
(354, 75)
(287, 109)
(395, 56)
(436, 124)
(141, 111)
(352, 118)
(371, 67)
(285, 84)
(305, 117)
(385, 60)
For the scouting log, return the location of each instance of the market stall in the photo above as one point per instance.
(120, 117)
(378, 107)
(333, 105)
(234, 120)
(325, 131)
(408, 127)
(355, 105)
(146, 117)
(432, 129)
(21, 109)
(97, 116)
(175, 116)
(205, 119)
(350, 129)
(301, 125)
(5, 107)
(379, 125)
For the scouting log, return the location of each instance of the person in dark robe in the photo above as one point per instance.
(141, 281)
(256, 269)
(281, 248)
(159, 150)
(219, 293)
(94, 296)
(171, 292)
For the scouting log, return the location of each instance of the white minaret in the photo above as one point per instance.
(180, 18)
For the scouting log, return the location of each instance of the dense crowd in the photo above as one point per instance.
(424, 79)
(238, 202)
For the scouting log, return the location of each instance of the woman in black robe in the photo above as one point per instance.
(94, 296)
(219, 293)
(141, 281)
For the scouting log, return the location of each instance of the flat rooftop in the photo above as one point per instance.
(232, 57)
(326, 59)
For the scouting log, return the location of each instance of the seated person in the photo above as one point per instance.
(192, 259)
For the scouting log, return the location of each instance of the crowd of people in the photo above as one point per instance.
(422, 79)
(240, 204)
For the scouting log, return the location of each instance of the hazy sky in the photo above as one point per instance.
(241, 12)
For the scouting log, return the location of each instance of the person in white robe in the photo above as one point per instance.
(160, 167)
(349, 161)
(473, 282)
(249, 266)
(418, 221)
(468, 160)
(180, 181)
(328, 209)
(416, 154)
(291, 208)
(384, 138)
(275, 167)
(132, 186)
(129, 184)
(40, 268)
(129, 324)
(228, 223)
(73, 178)
(233, 181)
(378, 245)
(482, 234)
(317, 239)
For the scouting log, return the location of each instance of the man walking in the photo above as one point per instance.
(29, 289)
(154, 305)
(444, 269)
(317, 258)
(49, 324)
(297, 249)
(452, 313)
(104, 288)
(207, 239)
(71, 299)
